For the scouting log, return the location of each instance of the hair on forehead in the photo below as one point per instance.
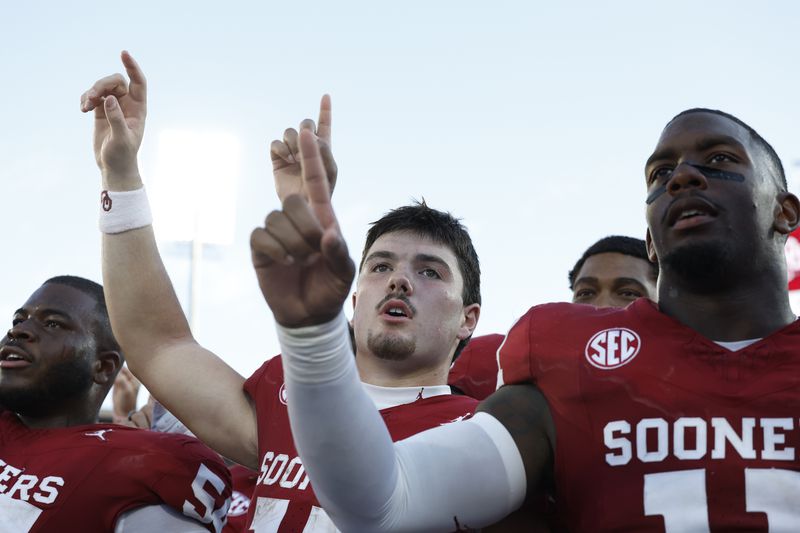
(772, 155)
(617, 244)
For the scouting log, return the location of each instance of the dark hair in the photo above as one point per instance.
(772, 155)
(441, 228)
(103, 335)
(618, 244)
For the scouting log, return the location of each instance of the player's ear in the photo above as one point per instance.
(106, 367)
(354, 300)
(651, 250)
(787, 213)
(472, 313)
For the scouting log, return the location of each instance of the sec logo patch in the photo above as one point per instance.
(612, 348)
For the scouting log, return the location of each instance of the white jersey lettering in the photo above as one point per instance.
(288, 473)
(14, 484)
(723, 432)
(690, 438)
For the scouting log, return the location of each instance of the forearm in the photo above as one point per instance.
(144, 310)
(142, 305)
(367, 483)
(321, 437)
(201, 389)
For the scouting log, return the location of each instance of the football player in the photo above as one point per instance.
(612, 272)
(676, 416)
(417, 303)
(62, 471)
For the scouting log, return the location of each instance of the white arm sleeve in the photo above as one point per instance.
(156, 518)
(467, 474)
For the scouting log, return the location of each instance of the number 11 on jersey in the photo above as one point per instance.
(680, 498)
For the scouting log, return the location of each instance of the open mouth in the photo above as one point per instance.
(13, 357)
(689, 213)
(396, 309)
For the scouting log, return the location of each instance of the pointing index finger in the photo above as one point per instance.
(325, 119)
(315, 179)
(138, 85)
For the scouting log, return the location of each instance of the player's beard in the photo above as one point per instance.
(391, 347)
(64, 381)
(705, 267)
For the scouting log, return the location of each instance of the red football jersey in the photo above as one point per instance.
(283, 500)
(244, 481)
(658, 428)
(82, 478)
(474, 371)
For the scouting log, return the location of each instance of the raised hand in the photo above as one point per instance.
(285, 154)
(120, 109)
(300, 255)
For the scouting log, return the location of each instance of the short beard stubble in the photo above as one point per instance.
(390, 347)
(704, 267)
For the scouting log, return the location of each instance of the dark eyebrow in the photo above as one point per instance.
(618, 282)
(420, 258)
(380, 255)
(45, 311)
(427, 258)
(703, 144)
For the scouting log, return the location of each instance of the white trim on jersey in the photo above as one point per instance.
(385, 397)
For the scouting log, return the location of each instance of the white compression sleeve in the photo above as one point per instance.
(470, 472)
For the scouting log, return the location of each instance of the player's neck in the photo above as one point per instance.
(750, 310)
(67, 416)
(57, 421)
(383, 373)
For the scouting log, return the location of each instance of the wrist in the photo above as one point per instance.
(305, 322)
(122, 180)
(124, 210)
(319, 353)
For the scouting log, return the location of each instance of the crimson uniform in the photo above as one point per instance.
(244, 481)
(474, 372)
(283, 500)
(83, 478)
(658, 428)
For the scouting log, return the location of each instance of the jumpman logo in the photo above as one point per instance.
(100, 434)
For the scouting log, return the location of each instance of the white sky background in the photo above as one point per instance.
(529, 121)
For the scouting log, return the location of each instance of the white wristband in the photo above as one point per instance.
(124, 210)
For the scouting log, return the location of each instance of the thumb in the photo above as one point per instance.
(114, 116)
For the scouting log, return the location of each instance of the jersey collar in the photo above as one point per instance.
(385, 397)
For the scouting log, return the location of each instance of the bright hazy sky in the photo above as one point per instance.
(529, 121)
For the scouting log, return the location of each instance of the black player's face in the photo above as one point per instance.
(711, 199)
(408, 300)
(47, 354)
(613, 280)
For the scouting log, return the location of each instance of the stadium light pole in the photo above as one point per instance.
(193, 197)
